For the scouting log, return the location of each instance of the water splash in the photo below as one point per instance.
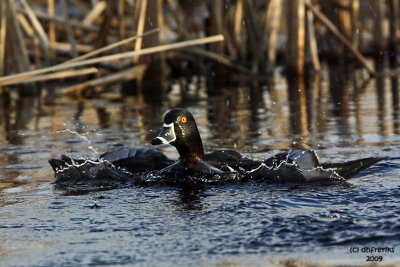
(292, 166)
(85, 136)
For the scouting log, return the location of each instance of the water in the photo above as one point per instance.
(248, 224)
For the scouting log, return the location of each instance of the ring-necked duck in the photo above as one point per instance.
(180, 130)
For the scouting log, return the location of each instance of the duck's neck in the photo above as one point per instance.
(192, 152)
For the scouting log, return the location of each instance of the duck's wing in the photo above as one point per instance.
(352, 168)
(304, 159)
(64, 162)
(295, 166)
(303, 165)
(115, 165)
(71, 171)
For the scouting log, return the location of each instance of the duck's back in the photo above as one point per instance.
(138, 159)
(226, 159)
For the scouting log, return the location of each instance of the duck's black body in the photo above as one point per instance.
(118, 165)
(180, 130)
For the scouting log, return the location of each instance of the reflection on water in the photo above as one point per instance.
(299, 112)
(340, 113)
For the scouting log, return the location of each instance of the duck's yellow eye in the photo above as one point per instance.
(183, 119)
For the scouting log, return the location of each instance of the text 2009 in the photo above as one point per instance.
(374, 258)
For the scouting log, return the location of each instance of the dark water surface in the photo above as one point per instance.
(249, 224)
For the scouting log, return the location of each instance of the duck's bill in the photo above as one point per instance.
(166, 136)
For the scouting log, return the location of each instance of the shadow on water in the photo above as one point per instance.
(191, 199)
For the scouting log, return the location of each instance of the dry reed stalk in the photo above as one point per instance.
(95, 13)
(379, 33)
(178, 13)
(82, 5)
(68, 28)
(344, 16)
(136, 14)
(301, 34)
(254, 30)
(312, 40)
(52, 27)
(140, 27)
(229, 44)
(238, 29)
(57, 75)
(272, 23)
(31, 33)
(135, 72)
(73, 22)
(393, 19)
(121, 20)
(19, 52)
(238, 20)
(179, 16)
(217, 57)
(296, 36)
(109, 47)
(3, 34)
(217, 24)
(332, 28)
(355, 10)
(154, 17)
(146, 51)
(66, 47)
(26, 26)
(41, 34)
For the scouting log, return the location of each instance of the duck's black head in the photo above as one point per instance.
(180, 130)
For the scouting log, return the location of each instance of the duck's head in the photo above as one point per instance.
(180, 130)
